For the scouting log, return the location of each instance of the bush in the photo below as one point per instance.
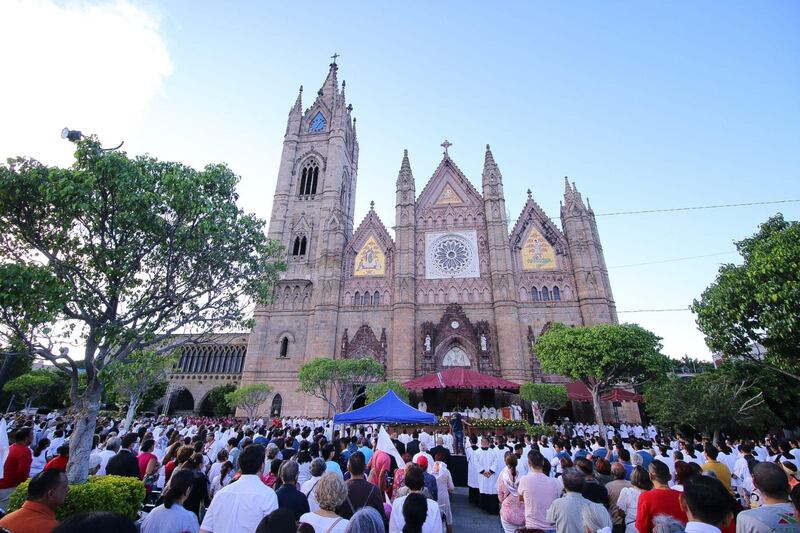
(116, 494)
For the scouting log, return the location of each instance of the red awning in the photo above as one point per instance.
(459, 378)
(577, 392)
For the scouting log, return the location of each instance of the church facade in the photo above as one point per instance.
(454, 286)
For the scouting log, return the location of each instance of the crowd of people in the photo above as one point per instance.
(298, 474)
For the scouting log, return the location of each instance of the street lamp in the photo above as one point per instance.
(75, 136)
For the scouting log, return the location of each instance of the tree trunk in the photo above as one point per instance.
(717, 438)
(80, 443)
(132, 406)
(598, 412)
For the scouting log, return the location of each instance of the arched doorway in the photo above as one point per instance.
(181, 400)
(277, 406)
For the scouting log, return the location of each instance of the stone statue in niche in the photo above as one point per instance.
(427, 343)
(484, 346)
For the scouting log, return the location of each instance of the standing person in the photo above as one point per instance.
(628, 501)
(707, 504)
(289, 497)
(661, 500)
(17, 467)
(444, 486)
(486, 463)
(512, 509)
(125, 462)
(59, 462)
(614, 488)
(46, 492)
(775, 509)
(309, 488)
(538, 491)
(721, 471)
(331, 465)
(473, 479)
(170, 516)
(592, 490)
(360, 492)
(224, 477)
(148, 464)
(415, 483)
(457, 423)
(567, 512)
(331, 493)
(39, 457)
(240, 506)
(199, 496)
(112, 447)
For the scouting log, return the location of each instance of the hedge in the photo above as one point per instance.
(117, 494)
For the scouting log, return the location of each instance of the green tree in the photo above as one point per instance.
(249, 398)
(122, 253)
(132, 378)
(216, 398)
(602, 357)
(547, 395)
(32, 387)
(710, 402)
(375, 391)
(757, 304)
(338, 382)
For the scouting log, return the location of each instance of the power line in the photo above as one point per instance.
(694, 208)
(656, 310)
(673, 260)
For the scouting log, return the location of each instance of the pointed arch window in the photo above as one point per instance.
(545, 294)
(534, 294)
(285, 347)
(357, 298)
(277, 406)
(309, 178)
(556, 293)
(367, 298)
(376, 298)
(299, 246)
(317, 123)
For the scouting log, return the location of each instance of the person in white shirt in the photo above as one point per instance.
(331, 493)
(309, 487)
(707, 504)
(240, 506)
(112, 447)
(415, 481)
(423, 452)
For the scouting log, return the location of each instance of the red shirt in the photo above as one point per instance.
(17, 467)
(168, 470)
(59, 462)
(655, 502)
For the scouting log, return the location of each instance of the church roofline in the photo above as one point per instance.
(532, 205)
(446, 160)
(370, 220)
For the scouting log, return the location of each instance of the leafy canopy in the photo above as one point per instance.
(121, 253)
(216, 400)
(730, 398)
(603, 355)
(375, 391)
(547, 395)
(249, 397)
(338, 381)
(757, 303)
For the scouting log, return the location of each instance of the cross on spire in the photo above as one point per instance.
(446, 144)
(334, 56)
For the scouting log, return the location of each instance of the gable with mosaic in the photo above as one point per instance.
(370, 260)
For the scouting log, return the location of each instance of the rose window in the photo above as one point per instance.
(451, 255)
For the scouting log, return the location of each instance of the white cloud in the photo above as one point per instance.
(89, 66)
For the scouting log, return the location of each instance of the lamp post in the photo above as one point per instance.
(76, 135)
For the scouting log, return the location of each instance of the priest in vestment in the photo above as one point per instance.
(488, 471)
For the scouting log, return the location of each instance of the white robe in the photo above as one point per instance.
(486, 461)
(472, 467)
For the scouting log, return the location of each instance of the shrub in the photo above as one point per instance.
(117, 494)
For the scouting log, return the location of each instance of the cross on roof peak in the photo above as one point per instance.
(334, 56)
(446, 144)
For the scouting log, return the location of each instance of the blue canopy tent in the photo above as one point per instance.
(388, 409)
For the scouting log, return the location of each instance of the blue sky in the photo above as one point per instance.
(644, 105)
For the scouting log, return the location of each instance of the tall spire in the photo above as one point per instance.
(298, 104)
(329, 92)
(405, 179)
(491, 172)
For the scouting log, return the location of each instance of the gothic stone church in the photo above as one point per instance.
(455, 286)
